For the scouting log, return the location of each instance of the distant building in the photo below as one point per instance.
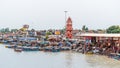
(74, 32)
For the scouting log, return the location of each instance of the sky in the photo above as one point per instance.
(49, 14)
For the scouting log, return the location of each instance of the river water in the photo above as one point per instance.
(11, 59)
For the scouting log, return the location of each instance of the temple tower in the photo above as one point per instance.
(69, 28)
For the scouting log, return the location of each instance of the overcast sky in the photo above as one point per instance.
(46, 14)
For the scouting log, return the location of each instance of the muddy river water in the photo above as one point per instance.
(11, 59)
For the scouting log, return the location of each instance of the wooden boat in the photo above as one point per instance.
(4, 42)
(17, 49)
(47, 48)
(89, 53)
(11, 46)
(52, 49)
(55, 50)
(41, 48)
(25, 48)
(65, 48)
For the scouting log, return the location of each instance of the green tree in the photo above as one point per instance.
(2, 30)
(113, 29)
(14, 30)
(84, 28)
(48, 33)
(62, 31)
(7, 30)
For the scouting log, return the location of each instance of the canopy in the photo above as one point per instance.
(98, 35)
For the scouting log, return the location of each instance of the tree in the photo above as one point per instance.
(113, 29)
(7, 30)
(62, 31)
(84, 28)
(48, 33)
(2, 30)
(14, 30)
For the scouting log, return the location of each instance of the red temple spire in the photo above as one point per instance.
(69, 28)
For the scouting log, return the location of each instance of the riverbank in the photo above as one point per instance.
(57, 43)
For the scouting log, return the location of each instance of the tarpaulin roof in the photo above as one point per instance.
(98, 35)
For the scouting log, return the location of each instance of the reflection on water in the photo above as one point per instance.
(96, 61)
(11, 59)
(68, 58)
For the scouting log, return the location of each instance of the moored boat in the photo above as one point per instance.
(65, 48)
(17, 49)
(25, 48)
(10, 46)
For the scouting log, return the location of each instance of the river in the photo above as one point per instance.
(11, 59)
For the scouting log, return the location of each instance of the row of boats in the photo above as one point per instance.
(18, 48)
